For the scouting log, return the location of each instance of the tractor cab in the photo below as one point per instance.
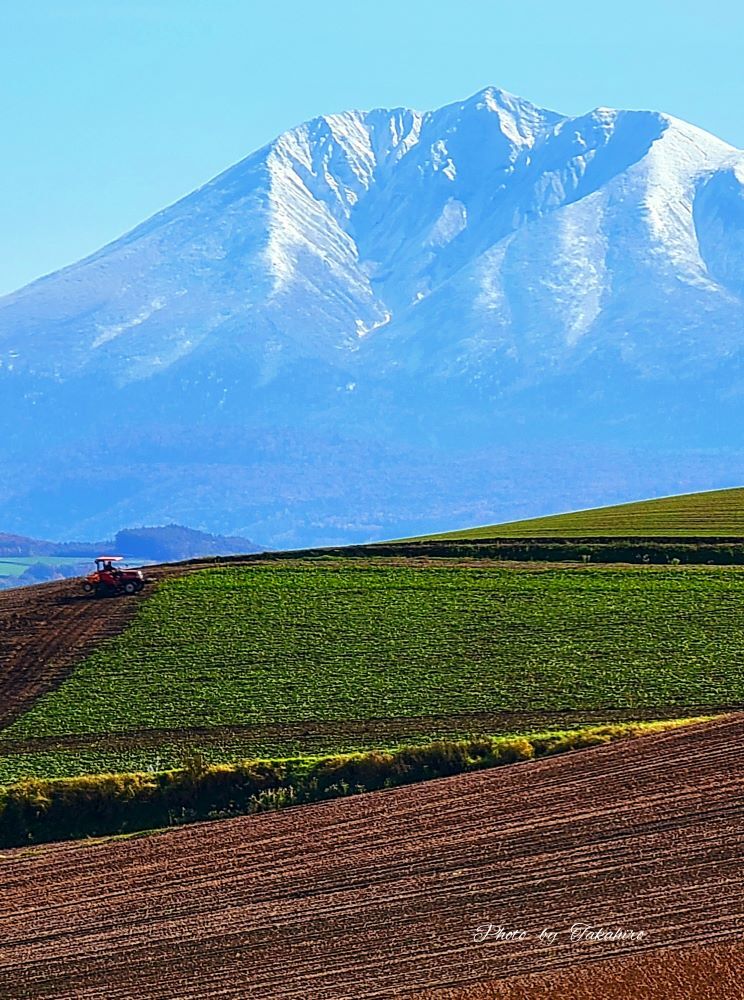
(112, 578)
(107, 564)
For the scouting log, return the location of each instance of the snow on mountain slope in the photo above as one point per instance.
(605, 258)
(457, 277)
(338, 227)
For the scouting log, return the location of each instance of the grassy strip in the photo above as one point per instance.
(712, 513)
(70, 762)
(490, 543)
(36, 810)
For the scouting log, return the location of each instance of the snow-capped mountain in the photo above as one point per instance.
(415, 290)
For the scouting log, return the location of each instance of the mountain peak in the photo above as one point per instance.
(520, 120)
(381, 271)
(492, 98)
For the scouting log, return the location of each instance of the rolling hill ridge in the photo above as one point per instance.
(710, 514)
(244, 684)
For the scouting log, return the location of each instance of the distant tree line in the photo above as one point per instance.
(174, 542)
(160, 544)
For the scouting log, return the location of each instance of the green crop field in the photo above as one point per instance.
(328, 643)
(717, 513)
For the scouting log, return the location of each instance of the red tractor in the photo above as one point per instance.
(110, 579)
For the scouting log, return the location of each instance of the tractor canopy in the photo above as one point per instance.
(102, 560)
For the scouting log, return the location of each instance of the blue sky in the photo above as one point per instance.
(111, 109)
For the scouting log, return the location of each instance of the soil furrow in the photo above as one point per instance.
(379, 895)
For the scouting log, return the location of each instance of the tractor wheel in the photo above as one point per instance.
(130, 588)
(88, 587)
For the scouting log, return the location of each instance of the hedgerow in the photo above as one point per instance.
(37, 810)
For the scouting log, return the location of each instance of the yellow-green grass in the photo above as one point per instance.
(713, 514)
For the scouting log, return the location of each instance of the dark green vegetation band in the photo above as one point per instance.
(723, 551)
(598, 550)
(36, 811)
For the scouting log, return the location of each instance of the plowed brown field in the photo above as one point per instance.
(380, 895)
(703, 972)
